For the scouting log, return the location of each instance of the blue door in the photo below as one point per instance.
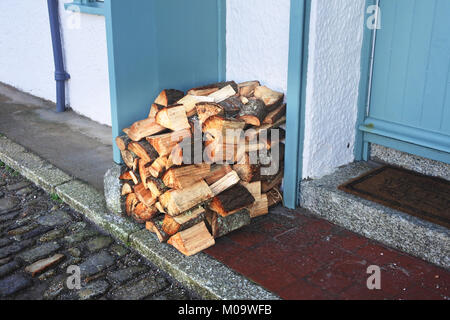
(409, 107)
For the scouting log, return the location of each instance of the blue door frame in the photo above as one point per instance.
(298, 61)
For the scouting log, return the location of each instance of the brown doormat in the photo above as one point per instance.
(421, 196)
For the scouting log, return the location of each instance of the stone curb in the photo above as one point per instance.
(208, 277)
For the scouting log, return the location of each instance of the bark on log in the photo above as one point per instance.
(247, 89)
(275, 115)
(271, 99)
(173, 225)
(156, 186)
(130, 159)
(122, 142)
(142, 213)
(154, 109)
(164, 143)
(272, 182)
(155, 226)
(253, 113)
(143, 150)
(232, 200)
(221, 226)
(217, 172)
(232, 106)
(169, 97)
(208, 109)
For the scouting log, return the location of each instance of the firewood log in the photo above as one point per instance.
(232, 200)
(143, 150)
(158, 167)
(155, 226)
(254, 132)
(155, 108)
(253, 113)
(175, 202)
(122, 142)
(193, 240)
(144, 172)
(164, 143)
(221, 226)
(145, 196)
(126, 189)
(244, 100)
(228, 129)
(144, 128)
(169, 97)
(272, 182)
(274, 197)
(228, 181)
(156, 186)
(260, 207)
(232, 106)
(173, 118)
(247, 89)
(173, 225)
(275, 115)
(270, 139)
(217, 172)
(218, 152)
(142, 213)
(183, 177)
(134, 177)
(130, 159)
(130, 203)
(160, 208)
(272, 99)
(208, 109)
(254, 188)
(223, 94)
(189, 102)
(209, 89)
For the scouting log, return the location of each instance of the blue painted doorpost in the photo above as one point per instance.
(299, 23)
(410, 95)
(159, 44)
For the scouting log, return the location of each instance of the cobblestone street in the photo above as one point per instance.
(40, 237)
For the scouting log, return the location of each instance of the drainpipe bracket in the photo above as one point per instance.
(61, 76)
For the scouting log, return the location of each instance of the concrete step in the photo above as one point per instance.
(393, 228)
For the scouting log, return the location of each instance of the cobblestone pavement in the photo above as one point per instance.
(40, 238)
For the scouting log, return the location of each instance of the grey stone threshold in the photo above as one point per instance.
(393, 228)
(202, 274)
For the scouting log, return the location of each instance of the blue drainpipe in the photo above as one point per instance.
(61, 76)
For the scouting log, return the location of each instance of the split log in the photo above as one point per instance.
(271, 99)
(228, 181)
(156, 187)
(247, 171)
(210, 89)
(175, 202)
(143, 150)
(173, 118)
(134, 177)
(122, 142)
(144, 172)
(247, 89)
(272, 182)
(221, 226)
(253, 113)
(208, 109)
(142, 213)
(130, 159)
(169, 97)
(126, 189)
(260, 207)
(130, 203)
(155, 226)
(232, 200)
(217, 172)
(189, 102)
(164, 143)
(145, 196)
(192, 240)
(183, 177)
(254, 188)
(155, 108)
(158, 167)
(274, 197)
(144, 128)
(228, 129)
(244, 100)
(160, 208)
(275, 115)
(173, 225)
(232, 106)
(223, 94)
(218, 152)
(253, 133)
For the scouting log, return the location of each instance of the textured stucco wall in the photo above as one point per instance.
(258, 41)
(336, 32)
(26, 57)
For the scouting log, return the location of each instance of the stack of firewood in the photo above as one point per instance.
(191, 181)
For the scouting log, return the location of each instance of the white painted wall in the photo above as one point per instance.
(336, 33)
(26, 57)
(258, 41)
